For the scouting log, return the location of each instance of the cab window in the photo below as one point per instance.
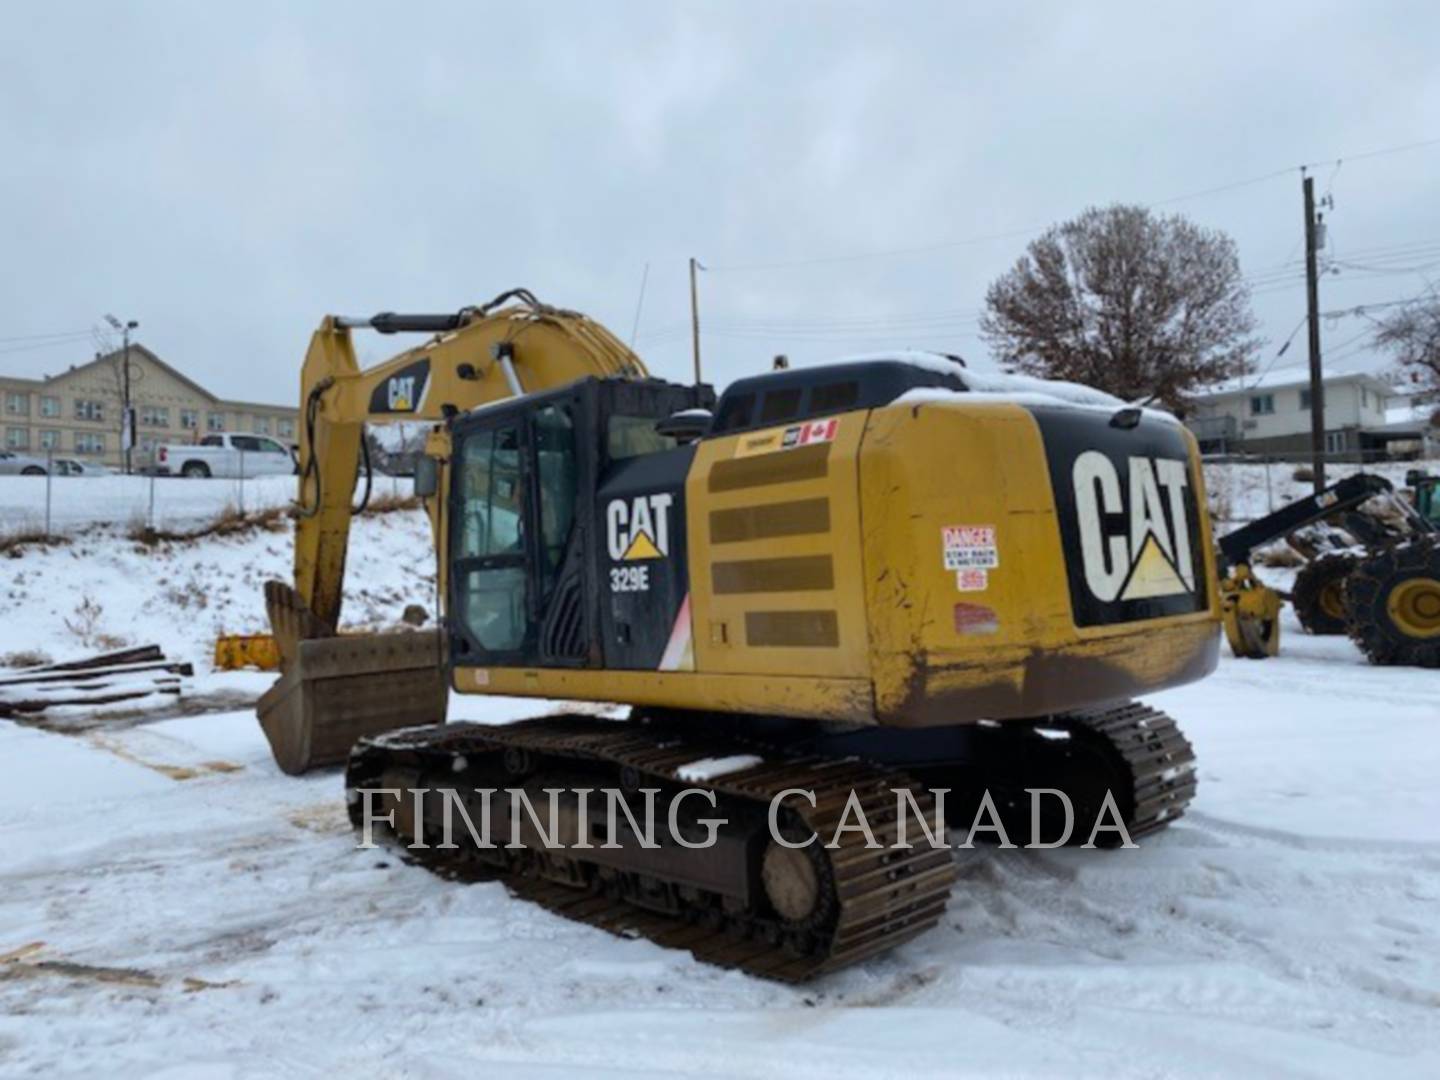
(556, 468)
(490, 569)
(634, 436)
(491, 494)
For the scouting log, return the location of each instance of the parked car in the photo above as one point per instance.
(72, 467)
(13, 464)
(224, 456)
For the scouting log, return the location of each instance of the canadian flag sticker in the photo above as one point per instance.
(818, 431)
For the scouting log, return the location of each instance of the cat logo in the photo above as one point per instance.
(639, 528)
(400, 393)
(1134, 541)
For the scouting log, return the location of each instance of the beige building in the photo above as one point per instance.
(78, 412)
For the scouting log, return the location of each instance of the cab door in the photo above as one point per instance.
(515, 552)
(490, 563)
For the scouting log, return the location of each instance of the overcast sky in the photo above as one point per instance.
(227, 174)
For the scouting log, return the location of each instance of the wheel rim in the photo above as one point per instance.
(1414, 607)
(1332, 600)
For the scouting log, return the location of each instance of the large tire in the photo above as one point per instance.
(1319, 593)
(1393, 601)
(196, 470)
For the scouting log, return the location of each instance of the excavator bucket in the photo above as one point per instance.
(335, 690)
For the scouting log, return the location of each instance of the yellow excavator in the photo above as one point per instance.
(852, 587)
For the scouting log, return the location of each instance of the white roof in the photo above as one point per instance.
(1290, 376)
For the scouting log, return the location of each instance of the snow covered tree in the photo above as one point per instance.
(1145, 307)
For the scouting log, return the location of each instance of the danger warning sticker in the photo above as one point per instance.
(970, 547)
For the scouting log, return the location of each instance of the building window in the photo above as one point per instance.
(17, 404)
(1335, 442)
(189, 419)
(1364, 398)
(285, 429)
(89, 410)
(214, 421)
(49, 439)
(1304, 400)
(49, 406)
(87, 442)
(262, 425)
(155, 416)
(1262, 405)
(147, 443)
(17, 438)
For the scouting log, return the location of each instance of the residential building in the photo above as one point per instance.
(1270, 414)
(78, 412)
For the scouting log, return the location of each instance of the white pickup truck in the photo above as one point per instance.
(224, 456)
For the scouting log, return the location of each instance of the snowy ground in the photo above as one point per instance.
(171, 905)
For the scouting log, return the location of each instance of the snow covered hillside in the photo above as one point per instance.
(171, 905)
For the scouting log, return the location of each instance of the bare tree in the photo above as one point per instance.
(1144, 307)
(1411, 334)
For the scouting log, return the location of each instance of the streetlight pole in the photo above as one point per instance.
(695, 317)
(127, 416)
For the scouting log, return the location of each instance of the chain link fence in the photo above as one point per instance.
(62, 501)
(1243, 487)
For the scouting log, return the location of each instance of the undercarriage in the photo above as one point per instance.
(769, 848)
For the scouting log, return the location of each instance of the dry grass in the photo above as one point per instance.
(231, 521)
(14, 543)
(25, 658)
(388, 504)
(86, 625)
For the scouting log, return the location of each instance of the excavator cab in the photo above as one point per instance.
(538, 491)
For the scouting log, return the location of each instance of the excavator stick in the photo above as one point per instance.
(337, 689)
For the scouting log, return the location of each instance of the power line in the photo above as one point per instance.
(1011, 233)
(1372, 154)
(36, 346)
(42, 337)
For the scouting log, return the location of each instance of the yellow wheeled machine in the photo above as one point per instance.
(1385, 593)
(830, 585)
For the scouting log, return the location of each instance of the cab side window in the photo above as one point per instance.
(490, 556)
(555, 462)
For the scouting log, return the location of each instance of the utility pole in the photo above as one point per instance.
(127, 415)
(1312, 292)
(695, 316)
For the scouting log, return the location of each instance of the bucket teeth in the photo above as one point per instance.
(291, 621)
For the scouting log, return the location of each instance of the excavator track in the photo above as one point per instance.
(747, 903)
(778, 914)
(1153, 762)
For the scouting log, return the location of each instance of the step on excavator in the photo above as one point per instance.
(834, 588)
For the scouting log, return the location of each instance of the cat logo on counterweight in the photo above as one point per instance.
(1134, 538)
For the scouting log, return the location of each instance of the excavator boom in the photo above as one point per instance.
(335, 689)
